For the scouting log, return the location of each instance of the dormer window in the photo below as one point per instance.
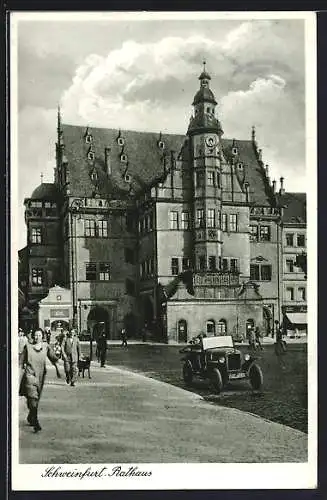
(161, 145)
(234, 151)
(94, 176)
(91, 155)
(88, 139)
(127, 178)
(240, 166)
(123, 158)
(121, 141)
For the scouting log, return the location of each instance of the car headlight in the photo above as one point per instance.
(221, 360)
(246, 357)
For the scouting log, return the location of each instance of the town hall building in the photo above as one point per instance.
(178, 234)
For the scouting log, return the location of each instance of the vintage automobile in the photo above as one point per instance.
(216, 359)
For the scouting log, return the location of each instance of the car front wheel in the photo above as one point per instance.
(187, 373)
(256, 377)
(216, 380)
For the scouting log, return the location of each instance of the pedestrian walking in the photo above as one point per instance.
(32, 362)
(251, 338)
(123, 335)
(70, 354)
(47, 331)
(22, 341)
(102, 348)
(258, 337)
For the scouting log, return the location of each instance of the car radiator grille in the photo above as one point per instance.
(234, 361)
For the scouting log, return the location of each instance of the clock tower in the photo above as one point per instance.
(205, 133)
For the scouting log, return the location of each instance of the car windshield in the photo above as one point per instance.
(221, 341)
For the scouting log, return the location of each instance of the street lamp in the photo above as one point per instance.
(74, 208)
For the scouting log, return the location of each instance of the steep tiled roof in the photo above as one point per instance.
(144, 158)
(295, 207)
(145, 161)
(204, 94)
(259, 189)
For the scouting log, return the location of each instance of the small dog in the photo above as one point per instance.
(84, 364)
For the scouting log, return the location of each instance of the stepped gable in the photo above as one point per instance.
(144, 159)
(260, 191)
(295, 207)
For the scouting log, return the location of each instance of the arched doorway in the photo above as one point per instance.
(59, 325)
(211, 328)
(130, 324)
(182, 331)
(98, 321)
(148, 312)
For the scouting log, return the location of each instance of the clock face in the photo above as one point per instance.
(211, 140)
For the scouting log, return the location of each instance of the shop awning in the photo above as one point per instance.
(297, 318)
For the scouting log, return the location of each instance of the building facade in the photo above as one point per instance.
(177, 234)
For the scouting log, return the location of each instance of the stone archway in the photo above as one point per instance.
(98, 321)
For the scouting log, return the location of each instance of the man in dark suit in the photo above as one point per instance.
(70, 355)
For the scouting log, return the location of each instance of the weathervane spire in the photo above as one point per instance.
(204, 64)
(41, 177)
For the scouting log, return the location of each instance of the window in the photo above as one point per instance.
(212, 263)
(289, 266)
(218, 179)
(150, 267)
(266, 272)
(289, 293)
(224, 222)
(185, 263)
(211, 222)
(289, 239)
(123, 158)
(254, 233)
(260, 272)
(120, 141)
(88, 139)
(200, 217)
(36, 235)
(219, 219)
(104, 271)
(37, 277)
(234, 265)
(233, 223)
(211, 178)
(185, 220)
(36, 204)
(90, 271)
(225, 265)
(129, 256)
(161, 145)
(103, 228)
(174, 266)
(254, 272)
(202, 262)
(211, 328)
(89, 229)
(91, 156)
(150, 221)
(300, 240)
(264, 233)
(199, 178)
(302, 294)
(129, 287)
(173, 220)
(222, 327)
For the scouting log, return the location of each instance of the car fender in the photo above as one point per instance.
(247, 364)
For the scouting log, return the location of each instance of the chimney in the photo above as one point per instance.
(107, 160)
(282, 190)
(260, 154)
(246, 185)
(274, 186)
(254, 142)
(267, 172)
(173, 159)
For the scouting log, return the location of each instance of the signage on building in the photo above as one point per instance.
(223, 279)
(294, 309)
(59, 313)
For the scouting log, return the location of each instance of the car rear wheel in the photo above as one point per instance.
(187, 373)
(216, 380)
(256, 377)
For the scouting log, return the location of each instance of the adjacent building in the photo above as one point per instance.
(179, 234)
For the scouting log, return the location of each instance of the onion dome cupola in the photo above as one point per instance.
(204, 102)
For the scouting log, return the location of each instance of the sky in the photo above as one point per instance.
(143, 74)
